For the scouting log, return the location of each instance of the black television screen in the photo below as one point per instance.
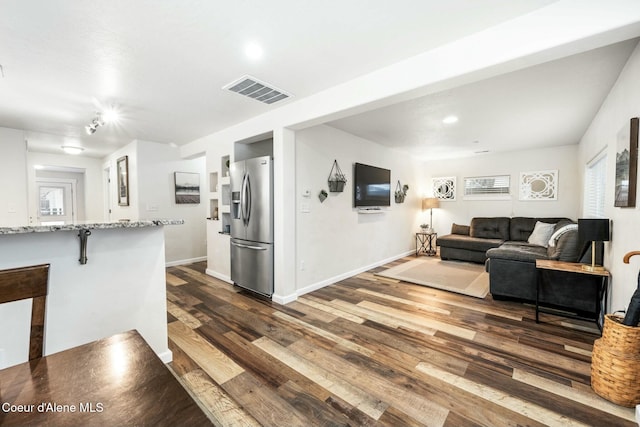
(372, 186)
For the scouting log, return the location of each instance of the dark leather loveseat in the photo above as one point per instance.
(502, 244)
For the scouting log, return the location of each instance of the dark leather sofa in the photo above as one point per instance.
(501, 243)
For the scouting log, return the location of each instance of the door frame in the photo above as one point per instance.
(74, 199)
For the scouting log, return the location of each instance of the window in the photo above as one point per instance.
(488, 187)
(595, 184)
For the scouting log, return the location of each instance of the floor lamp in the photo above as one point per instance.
(593, 230)
(430, 203)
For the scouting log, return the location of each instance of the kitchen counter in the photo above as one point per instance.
(89, 225)
(117, 283)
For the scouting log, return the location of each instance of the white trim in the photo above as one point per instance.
(217, 275)
(166, 356)
(285, 299)
(185, 261)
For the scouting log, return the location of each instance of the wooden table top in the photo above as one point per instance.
(571, 267)
(113, 381)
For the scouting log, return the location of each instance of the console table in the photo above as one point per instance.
(600, 302)
(426, 243)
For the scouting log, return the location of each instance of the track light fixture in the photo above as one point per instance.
(95, 124)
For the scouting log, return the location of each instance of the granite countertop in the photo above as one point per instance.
(89, 225)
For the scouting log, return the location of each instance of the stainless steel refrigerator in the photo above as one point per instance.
(252, 224)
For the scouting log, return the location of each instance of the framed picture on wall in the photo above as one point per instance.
(187, 187)
(123, 180)
(444, 188)
(627, 165)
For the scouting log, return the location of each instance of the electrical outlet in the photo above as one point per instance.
(301, 265)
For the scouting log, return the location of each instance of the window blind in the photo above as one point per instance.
(487, 187)
(595, 185)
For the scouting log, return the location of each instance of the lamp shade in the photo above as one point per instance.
(430, 202)
(593, 230)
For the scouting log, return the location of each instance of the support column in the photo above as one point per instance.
(284, 206)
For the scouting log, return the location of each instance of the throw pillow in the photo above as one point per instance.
(566, 247)
(560, 231)
(460, 229)
(541, 234)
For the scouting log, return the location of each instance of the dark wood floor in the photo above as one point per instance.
(377, 352)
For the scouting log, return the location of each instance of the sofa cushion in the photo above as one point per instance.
(466, 242)
(463, 230)
(541, 234)
(490, 228)
(521, 227)
(518, 251)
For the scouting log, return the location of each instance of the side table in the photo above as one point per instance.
(426, 243)
(600, 303)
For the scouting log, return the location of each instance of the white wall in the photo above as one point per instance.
(156, 199)
(93, 200)
(13, 176)
(622, 103)
(333, 240)
(460, 211)
(152, 196)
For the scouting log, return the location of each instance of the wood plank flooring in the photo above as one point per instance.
(370, 351)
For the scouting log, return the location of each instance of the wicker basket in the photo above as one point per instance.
(615, 363)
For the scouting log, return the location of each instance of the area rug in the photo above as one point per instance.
(454, 276)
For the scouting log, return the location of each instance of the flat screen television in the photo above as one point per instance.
(372, 186)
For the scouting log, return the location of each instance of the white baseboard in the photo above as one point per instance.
(166, 356)
(185, 261)
(220, 276)
(285, 299)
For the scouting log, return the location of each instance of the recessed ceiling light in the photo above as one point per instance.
(69, 149)
(253, 51)
(449, 120)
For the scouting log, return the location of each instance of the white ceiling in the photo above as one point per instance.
(162, 64)
(546, 105)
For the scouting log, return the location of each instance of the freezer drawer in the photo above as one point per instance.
(252, 265)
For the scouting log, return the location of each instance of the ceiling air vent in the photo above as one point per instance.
(254, 88)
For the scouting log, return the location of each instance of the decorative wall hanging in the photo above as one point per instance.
(444, 188)
(187, 187)
(401, 192)
(627, 165)
(539, 185)
(123, 180)
(337, 179)
(322, 195)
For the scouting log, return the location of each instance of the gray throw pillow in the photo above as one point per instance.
(541, 234)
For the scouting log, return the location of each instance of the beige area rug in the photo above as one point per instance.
(454, 276)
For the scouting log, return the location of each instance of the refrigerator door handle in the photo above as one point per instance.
(255, 248)
(248, 199)
(243, 199)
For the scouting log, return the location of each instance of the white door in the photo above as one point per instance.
(55, 202)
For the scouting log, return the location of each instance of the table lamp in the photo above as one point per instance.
(593, 230)
(430, 203)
